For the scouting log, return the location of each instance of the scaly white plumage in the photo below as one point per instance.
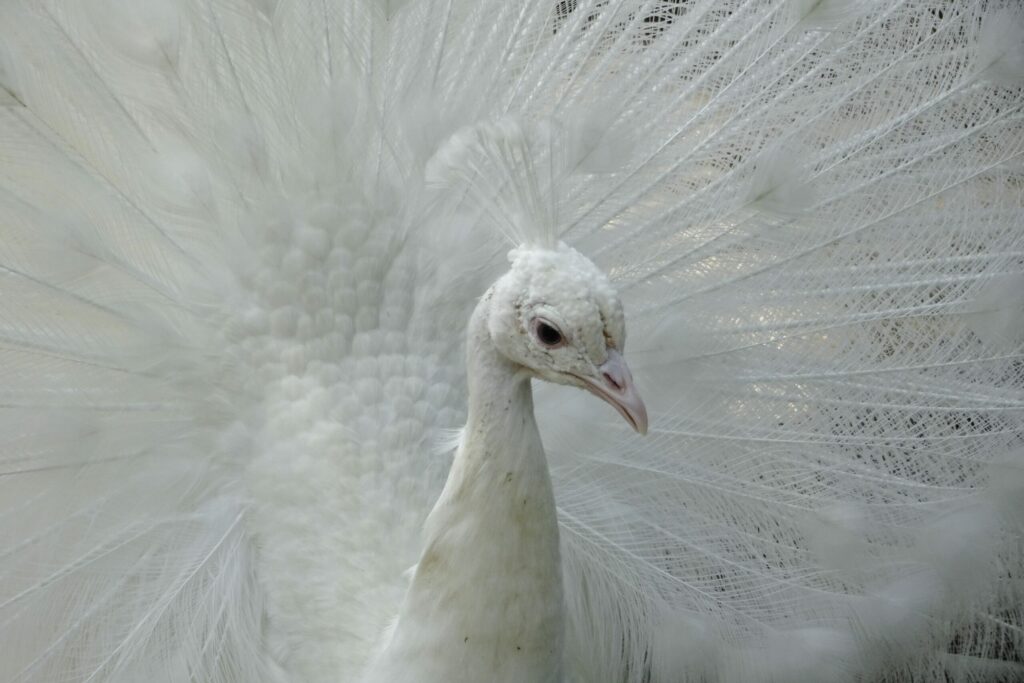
(240, 241)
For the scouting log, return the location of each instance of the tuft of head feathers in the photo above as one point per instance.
(495, 169)
(511, 171)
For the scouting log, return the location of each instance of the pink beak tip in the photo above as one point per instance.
(616, 387)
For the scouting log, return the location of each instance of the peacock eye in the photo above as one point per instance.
(548, 334)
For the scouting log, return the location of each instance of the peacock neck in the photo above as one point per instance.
(500, 408)
(485, 602)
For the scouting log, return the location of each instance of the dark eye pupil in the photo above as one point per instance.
(548, 335)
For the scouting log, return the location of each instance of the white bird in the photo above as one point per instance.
(260, 261)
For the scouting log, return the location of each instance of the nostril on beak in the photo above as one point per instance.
(612, 381)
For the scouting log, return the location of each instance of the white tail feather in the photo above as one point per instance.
(239, 241)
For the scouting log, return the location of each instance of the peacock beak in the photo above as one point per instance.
(614, 384)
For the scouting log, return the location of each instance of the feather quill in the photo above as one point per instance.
(240, 240)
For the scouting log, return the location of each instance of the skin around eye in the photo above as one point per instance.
(547, 334)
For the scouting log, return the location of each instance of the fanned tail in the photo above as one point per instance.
(220, 245)
(124, 553)
(817, 230)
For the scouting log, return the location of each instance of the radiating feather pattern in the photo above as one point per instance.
(233, 307)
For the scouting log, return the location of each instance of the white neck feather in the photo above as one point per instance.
(485, 602)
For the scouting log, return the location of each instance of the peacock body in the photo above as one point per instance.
(244, 251)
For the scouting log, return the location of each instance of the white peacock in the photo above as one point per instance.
(247, 378)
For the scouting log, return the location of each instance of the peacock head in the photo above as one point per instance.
(557, 315)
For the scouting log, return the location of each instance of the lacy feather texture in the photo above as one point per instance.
(241, 247)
